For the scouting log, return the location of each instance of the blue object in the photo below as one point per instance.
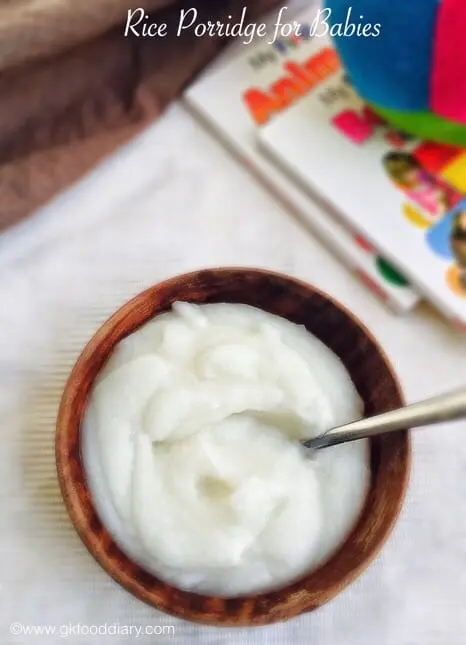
(438, 237)
(392, 69)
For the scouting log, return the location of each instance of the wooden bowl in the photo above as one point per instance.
(374, 379)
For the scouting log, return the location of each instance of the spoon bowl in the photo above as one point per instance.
(377, 385)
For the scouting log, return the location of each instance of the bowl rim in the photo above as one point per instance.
(74, 489)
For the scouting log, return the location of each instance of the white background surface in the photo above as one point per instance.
(174, 201)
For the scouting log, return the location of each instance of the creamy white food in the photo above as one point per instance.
(191, 445)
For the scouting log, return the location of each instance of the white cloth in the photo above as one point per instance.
(173, 201)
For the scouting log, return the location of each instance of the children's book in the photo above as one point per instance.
(235, 99)
(406, 197)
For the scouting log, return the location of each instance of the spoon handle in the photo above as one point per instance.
(446, 407)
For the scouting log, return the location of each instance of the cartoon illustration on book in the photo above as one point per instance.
(436, 205)
(432, 197)
(431, 177)
(458, 246)
(448, 239)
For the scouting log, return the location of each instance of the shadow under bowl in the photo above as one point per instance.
(375, 381)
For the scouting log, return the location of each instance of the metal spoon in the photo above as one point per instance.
(446, 407)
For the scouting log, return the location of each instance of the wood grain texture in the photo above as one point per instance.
(374, 379)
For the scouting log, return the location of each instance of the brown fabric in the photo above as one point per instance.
(32, 28)
(61, 115)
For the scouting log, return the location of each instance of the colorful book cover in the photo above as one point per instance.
(224, 99)
(406, 197)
